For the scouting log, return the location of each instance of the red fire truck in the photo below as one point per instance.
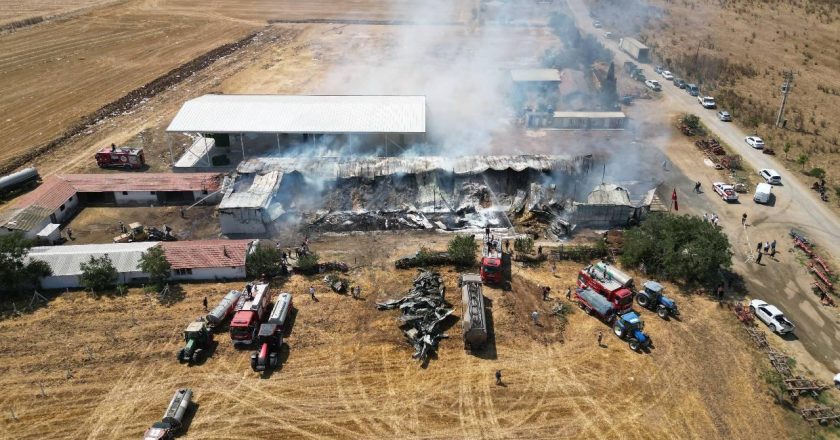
(492, 268)
(120, 157)
(246, 321)
(605, 279)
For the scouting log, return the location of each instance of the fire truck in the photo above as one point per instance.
(610, 282)
(120, 157)
(270, 336)
(246, 321)
(492, 262)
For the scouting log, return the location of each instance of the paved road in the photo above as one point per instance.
(782, 281)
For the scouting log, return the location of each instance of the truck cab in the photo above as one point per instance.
(491, 270)
(630, 328)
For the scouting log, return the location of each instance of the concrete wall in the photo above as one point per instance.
(135, 197)
(71, 205)
(242, 221)
(72, 281)
(212, 273)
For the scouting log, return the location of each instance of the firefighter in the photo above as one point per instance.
(312, 293)
(545, 291)
(113, 148)
(205, 303)
(499, 378)
(600, 338)
(569, 293)
(122, 227)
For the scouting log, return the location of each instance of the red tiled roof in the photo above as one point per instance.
(50, 195)
(205, 253)
(143, 182)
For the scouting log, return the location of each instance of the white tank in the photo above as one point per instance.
(178, 407)
(606, 270)
(224, 308)
(18, 177)
(281, 309)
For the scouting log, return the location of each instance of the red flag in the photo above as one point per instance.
(674, 200)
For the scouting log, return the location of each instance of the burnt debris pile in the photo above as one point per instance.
(423, 311)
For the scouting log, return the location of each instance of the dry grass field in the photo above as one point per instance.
(108, 368)
(14, 10)
(738, 51)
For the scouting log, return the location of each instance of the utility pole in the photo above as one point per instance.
(786, 86)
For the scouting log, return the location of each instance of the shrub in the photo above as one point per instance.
(308, 263)
(524, 245)
(98, 273)
(264, 260)
(154, 262)
(462, 250)
(819, 173)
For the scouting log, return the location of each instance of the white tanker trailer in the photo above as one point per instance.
(173, 418)
(224, 309)
(474, 320)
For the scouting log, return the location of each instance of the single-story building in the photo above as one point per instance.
(59, 198)
(544, 80)
(589, 120)
(208, 259)
(189, 260)
(226, 128)
(246, 205)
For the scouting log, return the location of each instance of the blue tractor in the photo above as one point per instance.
(629, 327)
(651, 297)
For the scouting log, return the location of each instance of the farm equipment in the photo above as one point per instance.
(610, 282)
(138, 232)
(594, 303)
(494, 262)
(173, 418)
(474, 322)
(651, 297)
(198, 339)
(246, 321)
(224, 309)
(630, 328)
(270, 336)
(743, 314)
(114, 157)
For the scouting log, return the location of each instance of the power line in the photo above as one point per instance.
(786, 86)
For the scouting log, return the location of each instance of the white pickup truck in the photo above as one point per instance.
(707, 101)
(725, 191)
(772, 316)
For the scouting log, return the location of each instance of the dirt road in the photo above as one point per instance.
(785, 284)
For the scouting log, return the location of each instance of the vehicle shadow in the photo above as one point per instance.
(790, 337)
(188, 417)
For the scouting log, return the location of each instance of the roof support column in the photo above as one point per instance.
(278, 142)
(171, 156)
(207, 155)
(242, 144)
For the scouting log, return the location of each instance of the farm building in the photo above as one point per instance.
(61, 196)
(246, 205)
(543, 80)
(190, 260)
(610, 205)
(589, 120)
(228, 128)
(207, 259)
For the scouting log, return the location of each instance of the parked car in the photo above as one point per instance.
(755, 142)
(725, 191)
(597, 24)
(724, 116)
(707, 101)
(772, 316)
(679, 83)
(692, 89)
(770, 176)
(667, 75)
(653, 85)
(658, 69)
(608, 35)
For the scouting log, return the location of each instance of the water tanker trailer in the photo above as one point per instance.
(173, 418)
(474, 321)
(224, 309)
(270, 335)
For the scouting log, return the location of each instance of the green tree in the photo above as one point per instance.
(802, 160)
(786, 149)
(154, 263)
(263, 260)
(15, 270)
(462, 249)
(523, 244)
(677, 248)
(98, 273)
(309, 262)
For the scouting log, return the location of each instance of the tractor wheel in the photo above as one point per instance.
(618, 330)
(634, 344)
(180, 355)
(198, 356)
(273, 360)
(643, 300)
(254, 361)
(662, 311)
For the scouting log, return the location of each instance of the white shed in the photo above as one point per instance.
(66, 261)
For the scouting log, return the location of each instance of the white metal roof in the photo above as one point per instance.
(67, 260)
(590, 115)
(301, 114)
(536, 75)
(257, 195)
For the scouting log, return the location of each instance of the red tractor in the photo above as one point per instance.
(270, 336)
(120, 157)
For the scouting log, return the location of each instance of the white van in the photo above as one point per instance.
(762, 193)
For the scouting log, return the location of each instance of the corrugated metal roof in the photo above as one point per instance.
(256, 195)
(590, 115)
(28, 218)
(301, 114)
(67, 260)
(608, 194)
(348, 167)
(206, 253)
(535, 75)
(51, 194)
